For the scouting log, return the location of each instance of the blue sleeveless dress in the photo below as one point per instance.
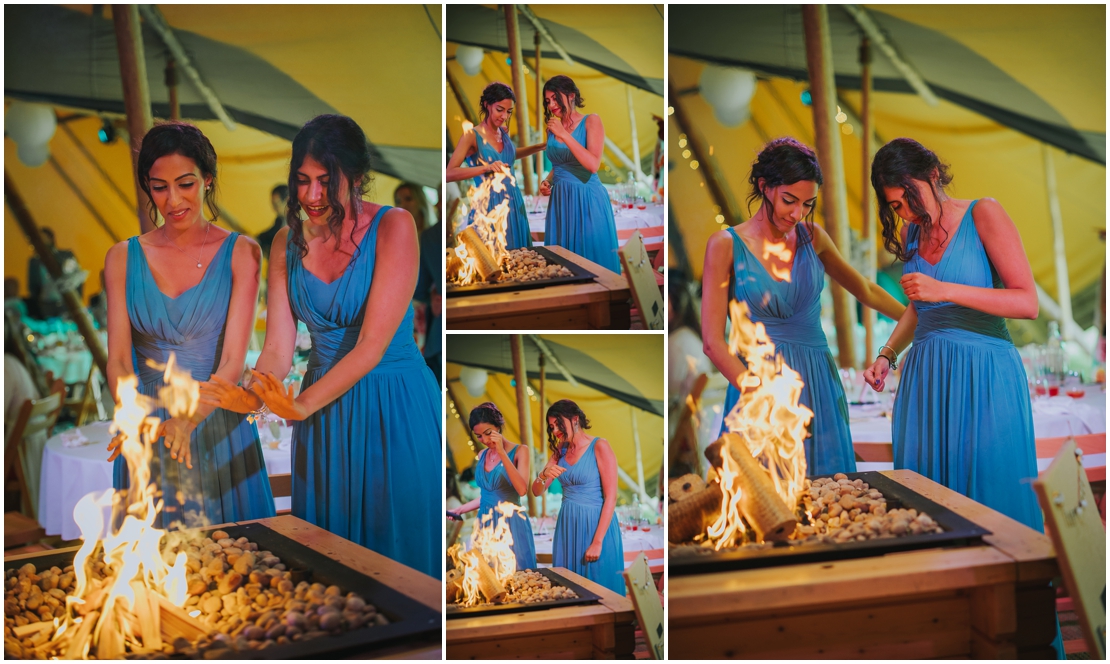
(578, 520)
(517, 234)
(579, 215)
(791, 313)
(228, 481)
(962, 416)
(497, 488)
(367, 465)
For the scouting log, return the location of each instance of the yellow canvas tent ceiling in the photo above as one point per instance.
(987, 158)
(398, 105)
(637, 359)
(631, 34)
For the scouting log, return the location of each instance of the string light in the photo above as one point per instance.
(685, 154)
(670, 110)
(694, 165)
(682, 142)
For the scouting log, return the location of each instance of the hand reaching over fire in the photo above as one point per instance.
(277, 397)
(178, 433)
(593, 553)
(221, 393)
(115, 446)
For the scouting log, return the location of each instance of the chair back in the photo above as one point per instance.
(645, 598)
(36, 415)
(641, 279)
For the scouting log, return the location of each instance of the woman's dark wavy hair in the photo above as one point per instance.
(898, 164)
(561, 85)
(339, 144)
(784, 161)
(487, 413)
(173, 137)
(491, 94)
(564, 408)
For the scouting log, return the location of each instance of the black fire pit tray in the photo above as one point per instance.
(584, 597)
(579, 275)
(407, 617)
(958, 532)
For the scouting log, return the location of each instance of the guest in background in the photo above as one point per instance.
(429, 291)
(18, 388)
(279, 196)
(98, 306)
(11, 297)
(46, 299)
(410, 196)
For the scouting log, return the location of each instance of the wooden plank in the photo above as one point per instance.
(421, 587)
(569, 643)
(907, 628)
(983, 647)
(1031, 550)
(692, 598)
(993, 613)
(645, 597)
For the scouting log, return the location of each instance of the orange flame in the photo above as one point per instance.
(779, 251)
(494, 541)
(491, 224)
(768, 417)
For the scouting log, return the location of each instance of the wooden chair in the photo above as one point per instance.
(36, 415)
(874, 452)
(282, 487)
(1091, 443)
(641, 279)
(649, 607)
(88, 404)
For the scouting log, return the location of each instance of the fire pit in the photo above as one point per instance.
(577, 595)
(372, 613)
(955, 531)
(571, 273)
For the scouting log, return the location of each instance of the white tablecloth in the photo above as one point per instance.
(70, 473)
(625, 219)
(1053, 417)
(543, 532)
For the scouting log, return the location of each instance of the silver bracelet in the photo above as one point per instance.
(893, 361)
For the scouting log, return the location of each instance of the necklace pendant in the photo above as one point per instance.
(198, 265)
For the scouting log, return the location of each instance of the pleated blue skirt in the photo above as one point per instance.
(829, 448)
(574, 532)
(517, 234)
(962, 418)
(580, 218)
(228, 480)
(367, 466)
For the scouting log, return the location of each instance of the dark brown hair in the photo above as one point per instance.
(491, 94)
(339, 145)
(784, 161)
(173, 137)
(564, 408)
(487, 413)
(561, 85)
(898, 164)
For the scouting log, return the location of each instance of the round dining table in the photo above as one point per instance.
(74, 464)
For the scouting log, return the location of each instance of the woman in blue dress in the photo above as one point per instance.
(187, 288)
(587, 536)
(579, 214)
(368, 418)
(776, 262)
(488, 150)
(501, 471)
(962, 417)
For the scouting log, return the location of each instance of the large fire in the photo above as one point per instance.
(488, 563)
(767, 426)
(138, 603)
(483, 246)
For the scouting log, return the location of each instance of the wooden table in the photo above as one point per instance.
(418, 586)
(604, 630)
(604, 303)
(990, 601)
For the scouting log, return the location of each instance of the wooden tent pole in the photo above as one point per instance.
(543, 409)
(524, 411)
(171, 86)
(637, 172)
(713, 180)
(136, 96)
(540, 133)
(830, 154)
(866, 198)
(512, 30)
(460, 97)
(1063, 284)
(72, 301)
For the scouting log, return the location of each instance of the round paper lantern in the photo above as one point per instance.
(470, 57)
(31, 124)
(727, 90)
(474, 380)
(33, 155)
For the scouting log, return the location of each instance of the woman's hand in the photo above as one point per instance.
(277, 398)
(923, 288)
(875, 375)
(495, 167)
(178, 434)
(115, 446)
(223, 394)
(454, 516)
(552, 473)
(555, 126)
(593, 553)
(498, 443)
(545, 188)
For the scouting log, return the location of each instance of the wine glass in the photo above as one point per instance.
(1073, 385)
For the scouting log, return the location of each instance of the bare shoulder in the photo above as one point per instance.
(719, 244)
(116, 258)
(396, 223)
(593, 120)
(603, 446)
(989, 211)
(819, 236)
(246, 248)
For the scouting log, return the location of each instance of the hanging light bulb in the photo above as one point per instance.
(728, 90)
(470, 58)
